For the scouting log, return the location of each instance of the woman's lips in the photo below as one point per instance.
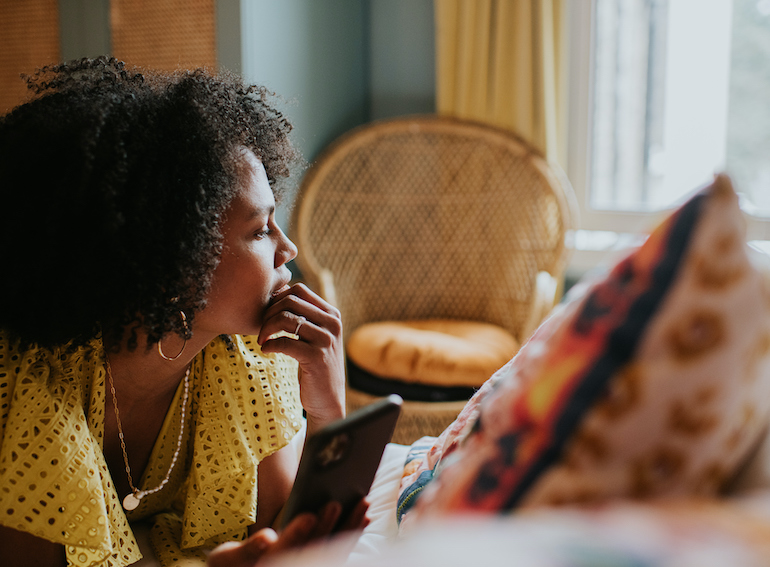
(280, 290)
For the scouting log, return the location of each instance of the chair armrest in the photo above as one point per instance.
(545, 298)
(327, 287)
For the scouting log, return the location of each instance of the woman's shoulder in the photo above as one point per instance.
(253, 386)
(247, 408)
(242, 354)
(31, 363)
(48, 385)
(51, 450)
(46, 380)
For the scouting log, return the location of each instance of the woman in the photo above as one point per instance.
(151, 344)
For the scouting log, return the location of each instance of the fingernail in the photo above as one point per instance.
(264, 538)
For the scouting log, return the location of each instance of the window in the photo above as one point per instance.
(665, 93)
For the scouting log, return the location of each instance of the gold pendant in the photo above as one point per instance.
(131, 501)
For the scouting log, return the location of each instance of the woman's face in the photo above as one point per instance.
(252, 266)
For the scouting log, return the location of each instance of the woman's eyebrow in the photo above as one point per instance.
(260, 212)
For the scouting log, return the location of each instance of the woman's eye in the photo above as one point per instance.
(262, 233)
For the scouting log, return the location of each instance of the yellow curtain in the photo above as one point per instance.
(500, 62)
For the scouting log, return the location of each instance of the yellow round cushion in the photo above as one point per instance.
(437, 352)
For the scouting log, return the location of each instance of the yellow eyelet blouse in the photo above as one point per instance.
(54, 482)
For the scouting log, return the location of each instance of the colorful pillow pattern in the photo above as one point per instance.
(653, 381)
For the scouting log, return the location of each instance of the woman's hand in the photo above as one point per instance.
(317, 347)
(266, 543)
(263, 544)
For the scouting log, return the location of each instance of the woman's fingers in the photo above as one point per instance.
(357, 520)
(298, 298)
(304, 327)
(298, 532)
(264, 543)
(329, 516)
(316, 346)
(302, 530)
(300, 312)
(243, 553)
(301, 291)
(327, 519)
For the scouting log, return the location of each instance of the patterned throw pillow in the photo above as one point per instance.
(653, 381)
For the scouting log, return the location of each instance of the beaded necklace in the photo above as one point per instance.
(132, 500)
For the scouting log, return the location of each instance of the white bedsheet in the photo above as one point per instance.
(382, 503)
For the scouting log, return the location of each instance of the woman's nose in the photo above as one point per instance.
(286, 251)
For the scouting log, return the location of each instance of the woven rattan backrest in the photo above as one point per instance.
(428, 217)
(164, 34)
(29, 39)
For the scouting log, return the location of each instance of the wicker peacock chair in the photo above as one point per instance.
(426, 217)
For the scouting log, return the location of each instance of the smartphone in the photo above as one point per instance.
(339, 461)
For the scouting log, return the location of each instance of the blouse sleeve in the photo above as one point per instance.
(54, 482)
(248, 408)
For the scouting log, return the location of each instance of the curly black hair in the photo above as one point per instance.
(114, 182)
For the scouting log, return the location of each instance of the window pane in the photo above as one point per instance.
(629, 77)
(748, 132)
(679, 94)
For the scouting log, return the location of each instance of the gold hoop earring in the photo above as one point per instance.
(186, 330)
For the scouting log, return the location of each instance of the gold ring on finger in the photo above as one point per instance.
(301, 321)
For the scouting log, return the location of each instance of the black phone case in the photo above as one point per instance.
(339, 462)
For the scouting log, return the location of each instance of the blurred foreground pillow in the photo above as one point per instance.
(686, 533)
(651, 382)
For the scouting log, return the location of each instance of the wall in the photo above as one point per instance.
(402, 55)
(336, 63)
(85, 28)
(313, 55)
(339, 63)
